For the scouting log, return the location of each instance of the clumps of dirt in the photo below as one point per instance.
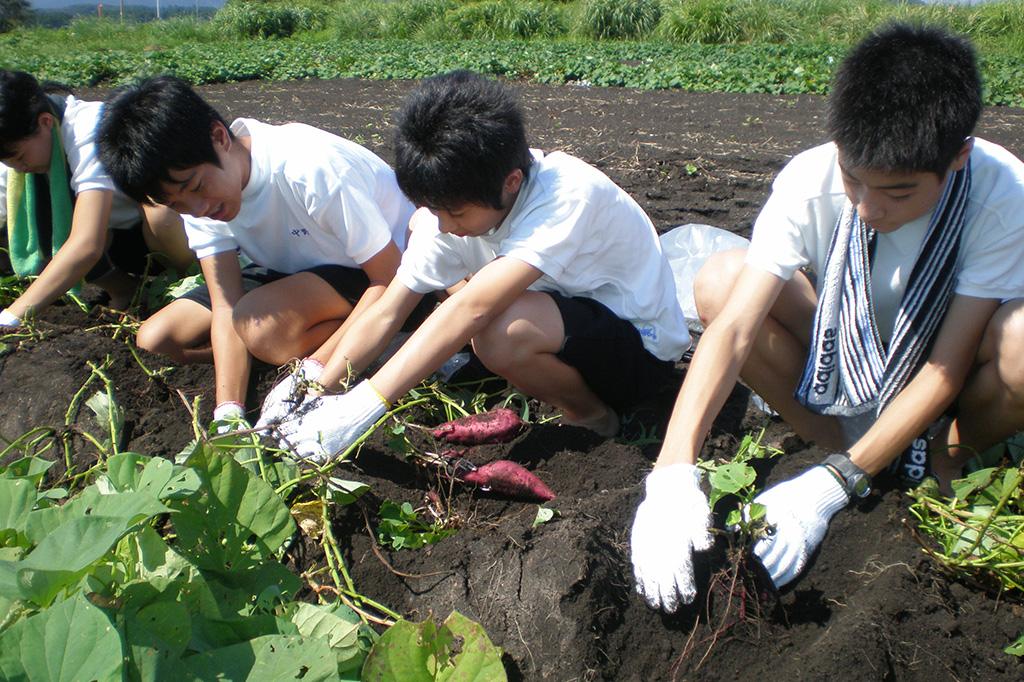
(42, 372)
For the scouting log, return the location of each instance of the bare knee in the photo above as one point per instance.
(501, 345)
(156, 336)
(1003, 345)
(715, 281)
(264, 339)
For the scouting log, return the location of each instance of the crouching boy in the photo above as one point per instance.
(320, 219)
(914, 231)
(564, 289)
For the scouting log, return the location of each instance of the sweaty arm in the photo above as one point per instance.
(721, 353)
(82, 250)
(934, 387)
(487, 294)
(231, 360)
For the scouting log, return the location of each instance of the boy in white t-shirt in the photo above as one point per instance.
(913, 233)
(321, 220)
(561, 284)
(66, 222)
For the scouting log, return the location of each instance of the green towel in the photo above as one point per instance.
(23, 238)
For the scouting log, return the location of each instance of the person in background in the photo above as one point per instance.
(66, 221)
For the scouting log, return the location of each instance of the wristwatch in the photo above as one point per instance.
(855, 480)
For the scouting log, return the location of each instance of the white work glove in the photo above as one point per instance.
(289, 393)
(329, 424)
(799, 511)
(8, 320)
(229, 416)
(671, 524)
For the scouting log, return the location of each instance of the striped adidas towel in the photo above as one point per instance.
(849, 370)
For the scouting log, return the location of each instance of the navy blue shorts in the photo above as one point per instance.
(349, 283)
(609, 353)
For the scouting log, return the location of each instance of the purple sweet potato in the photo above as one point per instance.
(508, 478)
(495, 426)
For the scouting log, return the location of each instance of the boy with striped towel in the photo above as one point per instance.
(881, 290)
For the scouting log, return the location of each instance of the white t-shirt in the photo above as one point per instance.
(585, 234)
(78, 131)
(312, 198)
(795, 227)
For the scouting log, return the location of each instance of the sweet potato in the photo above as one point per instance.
(508, 478)
(495, 426)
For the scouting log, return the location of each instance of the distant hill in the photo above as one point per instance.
(57, 13)
(65, 4)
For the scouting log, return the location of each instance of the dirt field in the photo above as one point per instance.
(559, 599)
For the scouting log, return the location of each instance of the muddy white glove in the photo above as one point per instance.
(289, 393)
(8, 320)
(671, 524)
(329, 424)
(229, 416)
(799, 511)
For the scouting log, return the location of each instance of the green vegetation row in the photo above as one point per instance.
(736, 68)
(994, 24)
(763, 46)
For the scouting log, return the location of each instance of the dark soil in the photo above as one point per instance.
(559, 598)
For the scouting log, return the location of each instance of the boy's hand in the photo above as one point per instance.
(799, 510)
(671, 523)
(8, 320)
(289, 393)
(329, 424)
(229, 416)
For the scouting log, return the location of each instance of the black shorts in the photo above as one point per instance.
(126, 252)
(349, 283)
(609, 353)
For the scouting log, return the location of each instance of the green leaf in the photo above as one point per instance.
(156, 476)
(72, 641)
(732, 477)
(976, 480)
(755, 511)
(1016, 648)
(110, 417)
(209, 634)
(157, 635)
(345, 492)
(17, 497)
(458, 650)
(271, 657)
(340, 627)
(235, 520)
(32, 468)
(734, 518)
(60, 559)
(478, 659)
(544, 514)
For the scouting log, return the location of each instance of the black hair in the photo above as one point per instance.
(905, 100)
(458, 137)
(153, 127)
(22, 99)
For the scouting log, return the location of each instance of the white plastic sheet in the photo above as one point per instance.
(687, 248)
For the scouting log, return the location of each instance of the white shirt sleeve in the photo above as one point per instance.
(992, 263)
(208, 237)
(778, 244)
(548, 238)
(430, 262)
(78, 131)
(341, 203)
